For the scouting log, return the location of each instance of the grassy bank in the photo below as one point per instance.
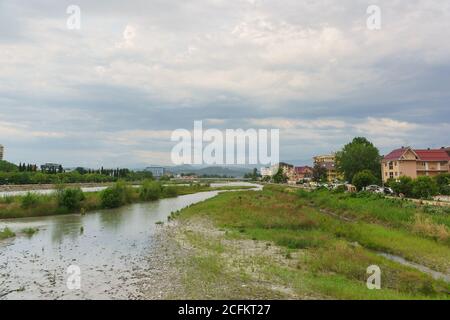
(73, 200)
(326, 245)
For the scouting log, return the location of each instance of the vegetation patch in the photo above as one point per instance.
(322, 255)
(6, 233)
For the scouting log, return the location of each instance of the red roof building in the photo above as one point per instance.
(414, 162)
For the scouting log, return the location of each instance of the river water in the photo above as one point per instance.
(110, 248)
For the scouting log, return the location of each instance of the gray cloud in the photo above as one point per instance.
(105, 96)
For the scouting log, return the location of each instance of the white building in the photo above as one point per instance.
(266, 172)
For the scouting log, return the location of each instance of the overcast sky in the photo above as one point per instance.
(111, 93)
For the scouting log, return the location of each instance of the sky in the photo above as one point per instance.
(112, 92)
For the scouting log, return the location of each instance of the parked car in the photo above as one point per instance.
(374, 188)
(388, 191)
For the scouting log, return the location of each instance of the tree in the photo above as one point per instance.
(357, 156)
(319, 173)
(279, 177)
(6, 166)
(424, 187)
(363, 179)
(252, 175)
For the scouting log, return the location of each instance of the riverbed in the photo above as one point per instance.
(111, 249)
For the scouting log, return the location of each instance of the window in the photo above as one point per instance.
(391, 175)
(391, 166)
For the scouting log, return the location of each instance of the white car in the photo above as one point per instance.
(374, 188)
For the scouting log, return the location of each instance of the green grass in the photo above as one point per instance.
(335, 252)
(374, 208)
(6, 233)
(30, 231)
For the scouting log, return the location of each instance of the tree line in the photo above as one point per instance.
(11, 174)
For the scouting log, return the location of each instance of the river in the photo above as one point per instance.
(111, 248)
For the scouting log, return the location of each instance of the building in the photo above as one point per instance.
(286, 168)
(414, 163)
(328, 161)
(272, 170)
(296, 174)
(303, 173)
(1, 152)
(51, 168)
(156, 171)
(266, 172)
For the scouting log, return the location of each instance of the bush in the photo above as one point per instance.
(340, 189)
(443, 182)
(150, 190)
(363, 179)
(403, 186)
(170, 192)
(424, 187)
(30, 200)
(116, 196)
(70, 198)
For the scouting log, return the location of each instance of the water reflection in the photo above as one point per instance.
(110, 247)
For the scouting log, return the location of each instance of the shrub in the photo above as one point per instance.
(70, 198)
(363, 179)
(116, 196)
(424, 187)
(443, 182)
(150, 190)
(30, 200)
(403, 186)
(340, 189)
(170, 192)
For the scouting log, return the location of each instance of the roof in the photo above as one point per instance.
(422, 154)
(433, 155)
(303, 169)
(395, 154)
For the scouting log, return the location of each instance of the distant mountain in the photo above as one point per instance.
(231, 171)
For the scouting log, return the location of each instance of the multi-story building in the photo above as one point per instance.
(328, 161)
(287, 169)
(414, 163)
(1, 152)
(157, 172)
(303, 173)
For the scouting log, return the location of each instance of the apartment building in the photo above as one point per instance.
(328, 161)
(303, 173)
(413, 163)
(1, 152)
(156, 171)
